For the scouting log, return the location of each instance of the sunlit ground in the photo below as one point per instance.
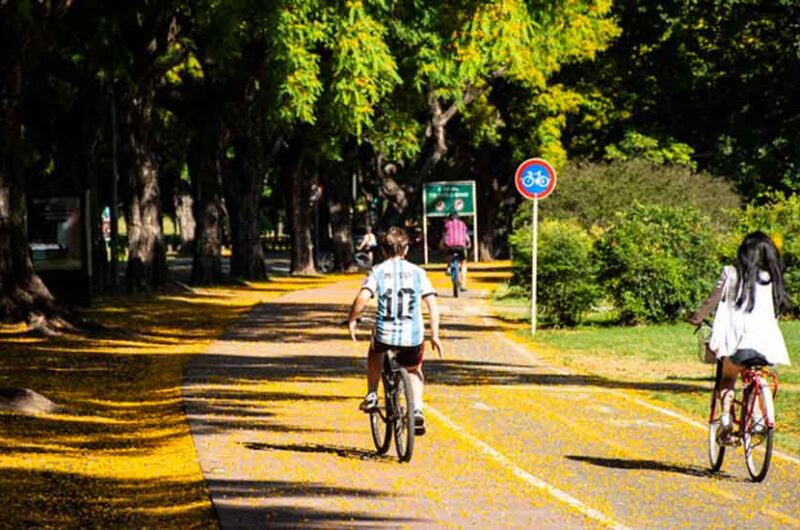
(118, 452)
(665, 356)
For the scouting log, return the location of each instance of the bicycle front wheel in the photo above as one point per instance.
(756, 432)
(379, 419)
(716, 451)
(404, 415)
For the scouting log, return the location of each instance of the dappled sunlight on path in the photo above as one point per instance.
(512, 440)
(117, 452)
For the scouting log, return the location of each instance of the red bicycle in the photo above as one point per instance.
(755, 425)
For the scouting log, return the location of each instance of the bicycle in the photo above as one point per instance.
(394, 414)
(756, 422)
(529, 179)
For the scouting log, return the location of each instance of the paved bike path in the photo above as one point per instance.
(511, 442)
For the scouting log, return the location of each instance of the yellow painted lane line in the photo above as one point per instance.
(517, 471)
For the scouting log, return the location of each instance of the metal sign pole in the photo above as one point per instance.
(533, 265)
(474, 224)
(535, 179)
(424, 226)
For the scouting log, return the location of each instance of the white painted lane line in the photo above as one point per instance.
(530, 357)
(699, 425)
(672, 414)
(507, 464)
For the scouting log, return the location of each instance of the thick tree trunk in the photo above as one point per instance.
(93, 113)
(22, 292)
(243, 199)
(491, 194)
(204, 168)
(302, 248)
(147, 266)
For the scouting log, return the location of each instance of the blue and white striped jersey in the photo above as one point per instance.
(400, 287)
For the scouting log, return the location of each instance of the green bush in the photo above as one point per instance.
(566, 286)
(779, 216)
(593, 192)
(658, 262)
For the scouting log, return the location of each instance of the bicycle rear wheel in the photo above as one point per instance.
(380, 421)
(404, 415)
(756, 433)
(455, 274)
(716, 451)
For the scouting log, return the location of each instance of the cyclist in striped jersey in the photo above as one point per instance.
(456, 239)
(401, 288)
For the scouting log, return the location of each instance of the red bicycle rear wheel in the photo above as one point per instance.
(757, 435)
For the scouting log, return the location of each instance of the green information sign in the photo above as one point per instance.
(443, 198)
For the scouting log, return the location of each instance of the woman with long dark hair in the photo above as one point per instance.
(749, 298)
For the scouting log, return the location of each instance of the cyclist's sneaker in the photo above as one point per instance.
(370, 402)
(725, 432)
(759, 426)
(419, 423)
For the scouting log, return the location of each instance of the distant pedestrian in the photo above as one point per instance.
(369, 244)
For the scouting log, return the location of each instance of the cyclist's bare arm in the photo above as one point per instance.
(355, 310)
(433, 316)
(710, 303)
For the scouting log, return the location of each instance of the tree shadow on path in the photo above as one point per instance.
(279, 516)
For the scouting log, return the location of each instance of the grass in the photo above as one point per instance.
(666, 354)
(118, 453)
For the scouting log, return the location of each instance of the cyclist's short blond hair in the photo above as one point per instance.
(394, 242)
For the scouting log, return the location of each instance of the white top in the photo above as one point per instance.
(757, 330)
(369, 241)
(400, 287)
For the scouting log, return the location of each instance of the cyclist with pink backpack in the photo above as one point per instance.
(456, 239)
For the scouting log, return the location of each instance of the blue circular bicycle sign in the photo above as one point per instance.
(535, 178)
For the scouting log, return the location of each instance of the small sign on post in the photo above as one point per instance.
(535, 179)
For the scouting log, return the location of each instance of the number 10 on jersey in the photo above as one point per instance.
(398, 306)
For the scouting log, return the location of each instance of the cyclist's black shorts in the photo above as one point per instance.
(748, 357)
(408, 356)
(460, 251)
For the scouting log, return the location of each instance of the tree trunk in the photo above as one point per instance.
(204, 168)
(147, 266)
(302, 249)
(246, 182)
(22, 292)
(93, 113)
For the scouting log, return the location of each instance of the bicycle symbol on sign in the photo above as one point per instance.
(540, 179)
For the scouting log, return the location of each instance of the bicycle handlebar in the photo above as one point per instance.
(359, 320)
(698, 327)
